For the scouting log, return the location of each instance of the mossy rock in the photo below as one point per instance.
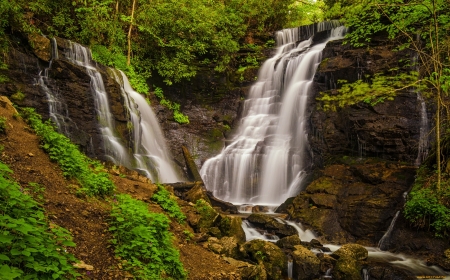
(306, 264)
(267, 254)
(289, 242)
(354, 251)
(347, 268)
(232, 226)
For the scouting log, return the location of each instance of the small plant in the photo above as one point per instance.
(175, 107)
(143, 239)
(30, 247)
(189, 235)
(167, 202)
(18, 96)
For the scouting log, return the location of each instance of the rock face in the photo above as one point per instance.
(388, 130)
(70, 82)
(353, 202)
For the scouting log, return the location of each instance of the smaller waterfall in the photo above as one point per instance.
(422, 152)
(290, 265)
(384, 241)
(252, 233)
(114, 148)
(57, 108)
(149, 153)
(305, 235)
(149, 149)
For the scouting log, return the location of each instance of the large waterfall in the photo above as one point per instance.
(265, 162)
(148, 153)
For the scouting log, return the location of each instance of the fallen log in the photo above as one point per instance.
(191, 166)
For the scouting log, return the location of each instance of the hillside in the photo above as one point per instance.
(87, 217)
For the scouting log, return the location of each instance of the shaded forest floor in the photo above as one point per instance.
(87, 217)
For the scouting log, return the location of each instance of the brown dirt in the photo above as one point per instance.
(87, 218)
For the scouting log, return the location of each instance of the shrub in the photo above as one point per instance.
(143, 239)
(167, 202)
(29, 248)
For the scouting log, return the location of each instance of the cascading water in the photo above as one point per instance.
(56, 104)
(265, 162)
(384, 241)
(149, 149)
(149, 154)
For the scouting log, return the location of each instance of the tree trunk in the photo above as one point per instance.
(129, 33)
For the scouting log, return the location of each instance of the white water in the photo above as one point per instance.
(422, 152)
(387, 234)
(57, 107)
(265, 162)
(149, 151)
(149, 154)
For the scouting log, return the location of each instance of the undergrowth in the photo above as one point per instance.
(73, 163)
(167, 202)
(428, 208)
(142, 238)
(29, 247)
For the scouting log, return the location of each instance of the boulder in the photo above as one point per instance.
(384, 271)
(349, 262)
(354, 251)
(227, 246)
(305, 264)
(289, 242)
(268, 255)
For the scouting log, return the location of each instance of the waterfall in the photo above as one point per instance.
(149, 149)
(422, 151)
(385, 239)
(149, 153)
(57, 107)
(266, 160)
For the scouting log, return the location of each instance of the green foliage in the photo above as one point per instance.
(143, 239)
(206, 212)
(305, 12)
(3, 124)
(18, 96)
(115, 58)
(73, 163)
(168, 202)
(424, 209)
(379, 89)
(29, 247)
(175, 107)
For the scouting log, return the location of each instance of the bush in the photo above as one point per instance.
(167, 201)
(73, 163)
(29, 248)
(143, 239)
(424, 210)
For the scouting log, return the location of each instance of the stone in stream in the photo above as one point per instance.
(349, 263)
(306, 264)
(268, 255)
(271, 225)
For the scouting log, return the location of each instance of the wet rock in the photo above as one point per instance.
(267, 254)
(384, 271)
(305, 263)
(271, 225)
(326, 263)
